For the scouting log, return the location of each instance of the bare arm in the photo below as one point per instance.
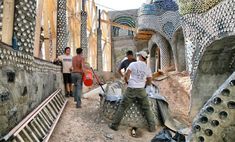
(120, 72)
(127, 75)
(83, 65)
(149, 81)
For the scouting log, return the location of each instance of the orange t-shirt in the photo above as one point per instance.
(78, 64)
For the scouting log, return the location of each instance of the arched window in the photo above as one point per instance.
(123, 20)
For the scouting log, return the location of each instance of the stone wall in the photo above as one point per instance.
(24, 84)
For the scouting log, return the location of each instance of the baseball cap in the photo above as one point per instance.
(143, 54)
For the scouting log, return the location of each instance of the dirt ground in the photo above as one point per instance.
(86, 125)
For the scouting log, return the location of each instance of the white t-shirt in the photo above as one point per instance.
(66, 62)
(139, 72)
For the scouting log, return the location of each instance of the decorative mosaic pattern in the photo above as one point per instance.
(84, 32)
(156, 23)
(133, 116)
(24, 24)
(163, 18)
(124, 20)
(165, 5)
(201, 30)
(45, 67)
(62, 34)
(164, 52)
(147, 9)
(216, 119)
(23, 61)
(199, 6)
(158, 7)
(168, 29)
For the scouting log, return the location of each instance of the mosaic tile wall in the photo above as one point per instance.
(31, 80)
(166, 24)
(158, 7)
(24, 25)
(201, 30)
(162, 15)
(164, 52)
(199, 6)
(84, 40)
(215, 121)
(22, 61)
(62, 33)
(164, 19)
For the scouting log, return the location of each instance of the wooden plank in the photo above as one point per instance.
(125, 27)
(7, 23)
(38, 29)
(46, 10)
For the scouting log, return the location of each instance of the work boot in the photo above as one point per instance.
(78, 105)
(152, 129)
(71, 94)
(111, 126)
(67, 94)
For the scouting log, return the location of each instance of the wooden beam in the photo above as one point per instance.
(125, 27)
(54, 37)
(51, 10)
(46, 11)
(7, 23)
(38, 28)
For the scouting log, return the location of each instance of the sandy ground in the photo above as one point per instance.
(86, 125)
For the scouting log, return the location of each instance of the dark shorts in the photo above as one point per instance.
(67, 78)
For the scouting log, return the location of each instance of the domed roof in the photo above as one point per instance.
(166, 5)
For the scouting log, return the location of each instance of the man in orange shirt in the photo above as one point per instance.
(78, 69)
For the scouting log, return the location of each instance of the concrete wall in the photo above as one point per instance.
(23, 87)
(210, 50)
(215, 66)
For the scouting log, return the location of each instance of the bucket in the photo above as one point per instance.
(88, 78)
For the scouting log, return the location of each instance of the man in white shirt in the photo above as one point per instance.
(137, 76)
(66, 60)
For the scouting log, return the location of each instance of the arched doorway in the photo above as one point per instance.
(178, 45)
(216, 64)
(155, 58)
(161, 54)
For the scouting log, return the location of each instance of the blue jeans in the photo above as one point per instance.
(77, 90)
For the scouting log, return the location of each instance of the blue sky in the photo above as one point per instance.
(119, 4)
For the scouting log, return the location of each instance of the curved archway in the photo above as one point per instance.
(155, 58)
(123, 20)
(216, 65)
(178, 46)
(161, 54)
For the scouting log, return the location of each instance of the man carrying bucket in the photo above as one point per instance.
(77, 73)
